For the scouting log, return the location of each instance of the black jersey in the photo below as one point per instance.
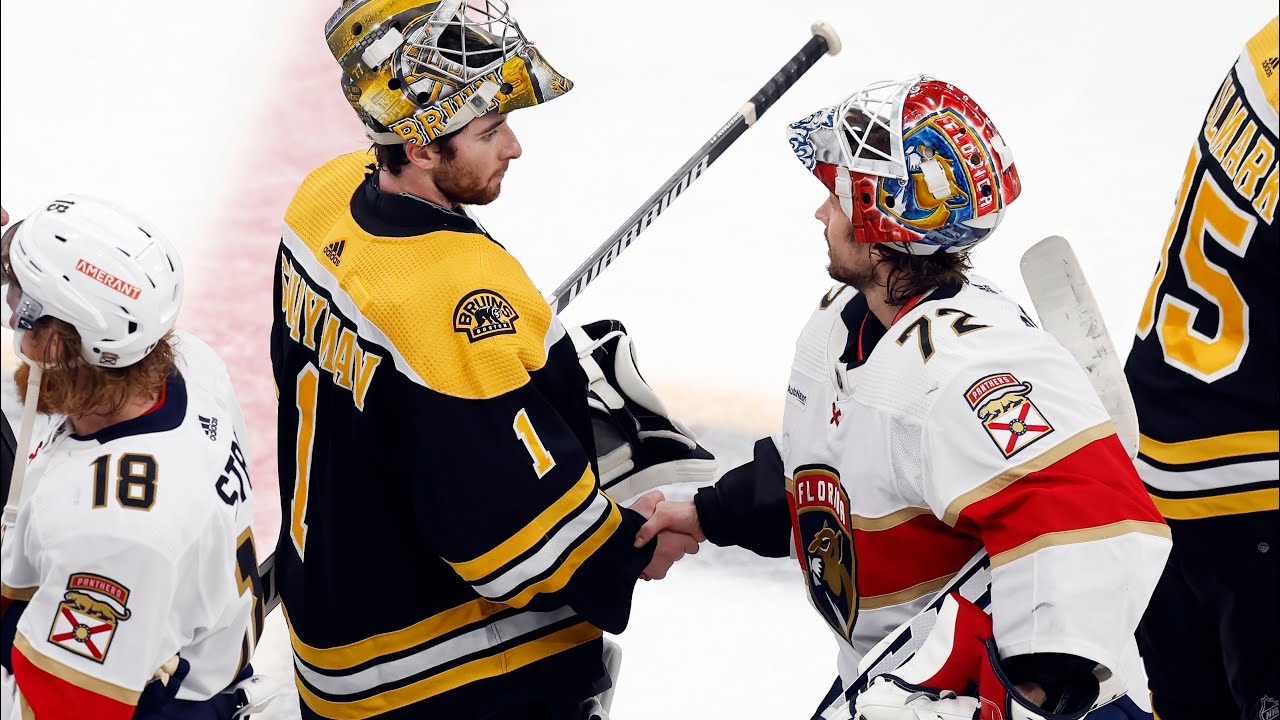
(1203, 366)
(445, 548)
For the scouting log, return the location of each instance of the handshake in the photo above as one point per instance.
(676, 527)
(639, 447)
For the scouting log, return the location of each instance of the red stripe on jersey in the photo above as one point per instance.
(1094, 486)
(913, 552)
(53, 698)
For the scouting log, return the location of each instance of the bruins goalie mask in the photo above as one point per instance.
(415, 71)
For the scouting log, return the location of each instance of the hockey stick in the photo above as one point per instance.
(1069, 312)
(825, 41)
(23, 450)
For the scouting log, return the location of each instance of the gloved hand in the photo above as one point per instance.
(638, 446)
(956, 674)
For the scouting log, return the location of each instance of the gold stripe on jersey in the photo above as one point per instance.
(410, 287)
(887, 522)
(1035, 464)
(19, 594)
(1219, 447)
(480, 669)
(372, 648)
(528, 536)
(906, 595)
(1199, 508)
(1264, 53)
(1072, 537)
(75, 677)
(566, 569)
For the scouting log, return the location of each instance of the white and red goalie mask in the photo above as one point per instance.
(915, 163)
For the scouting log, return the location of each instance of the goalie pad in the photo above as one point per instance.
(638, 445)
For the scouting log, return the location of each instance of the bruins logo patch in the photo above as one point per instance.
(86, 620)
(824, 544)
(484, 313)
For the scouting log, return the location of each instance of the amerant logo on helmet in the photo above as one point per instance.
(87, 268)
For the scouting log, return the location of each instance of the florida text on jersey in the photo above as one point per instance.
(133, 550)
(445, 546)
(1202, 368)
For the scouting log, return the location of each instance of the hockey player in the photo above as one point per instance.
(928, 419)
(130, 579)
(446, 549)
(1202, 372)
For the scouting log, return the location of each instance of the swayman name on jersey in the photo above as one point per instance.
(132, 546)
(1202, 368)
(446, 550)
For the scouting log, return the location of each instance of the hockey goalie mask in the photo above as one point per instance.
(112, 276)
(425, 69)
(915, 163)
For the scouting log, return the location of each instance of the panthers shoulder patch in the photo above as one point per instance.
(1003, 406)
(87, 618)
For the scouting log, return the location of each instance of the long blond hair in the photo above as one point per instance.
(70, 386)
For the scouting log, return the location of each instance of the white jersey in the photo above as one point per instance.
(963, 427)
(134, 545)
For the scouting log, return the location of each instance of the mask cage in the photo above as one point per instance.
(865, 117)
(460, 42)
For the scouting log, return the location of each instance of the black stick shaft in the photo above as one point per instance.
(621, 239)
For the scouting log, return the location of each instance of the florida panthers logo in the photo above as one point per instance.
(91, 610)
(820, 520)
(950, 176)
(484, 313)
(1004, 406)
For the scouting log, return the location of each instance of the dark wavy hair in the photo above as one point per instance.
(912, 275)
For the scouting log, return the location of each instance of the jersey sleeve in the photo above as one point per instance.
(511, 499)
(102, 622)
(1025, 458)
(514, 507)
(748, 506)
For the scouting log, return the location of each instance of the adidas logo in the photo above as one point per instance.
(333, 251)
(1269, 65)
(210, 426)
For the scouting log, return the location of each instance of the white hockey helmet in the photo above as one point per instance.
(111, 275)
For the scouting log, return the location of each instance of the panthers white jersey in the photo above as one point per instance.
(134, 545)
(963, 427)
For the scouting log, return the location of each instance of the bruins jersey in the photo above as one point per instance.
(445, 548)
(1202, 368)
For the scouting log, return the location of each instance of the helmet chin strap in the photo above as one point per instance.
(24, 432)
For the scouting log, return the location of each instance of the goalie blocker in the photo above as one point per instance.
(638, 445)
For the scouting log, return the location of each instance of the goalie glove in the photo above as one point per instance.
(638, 446)
(957, 674)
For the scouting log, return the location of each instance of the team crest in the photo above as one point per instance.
(484, 313)
(89, 614)
(1004, 406)
(824, 544)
